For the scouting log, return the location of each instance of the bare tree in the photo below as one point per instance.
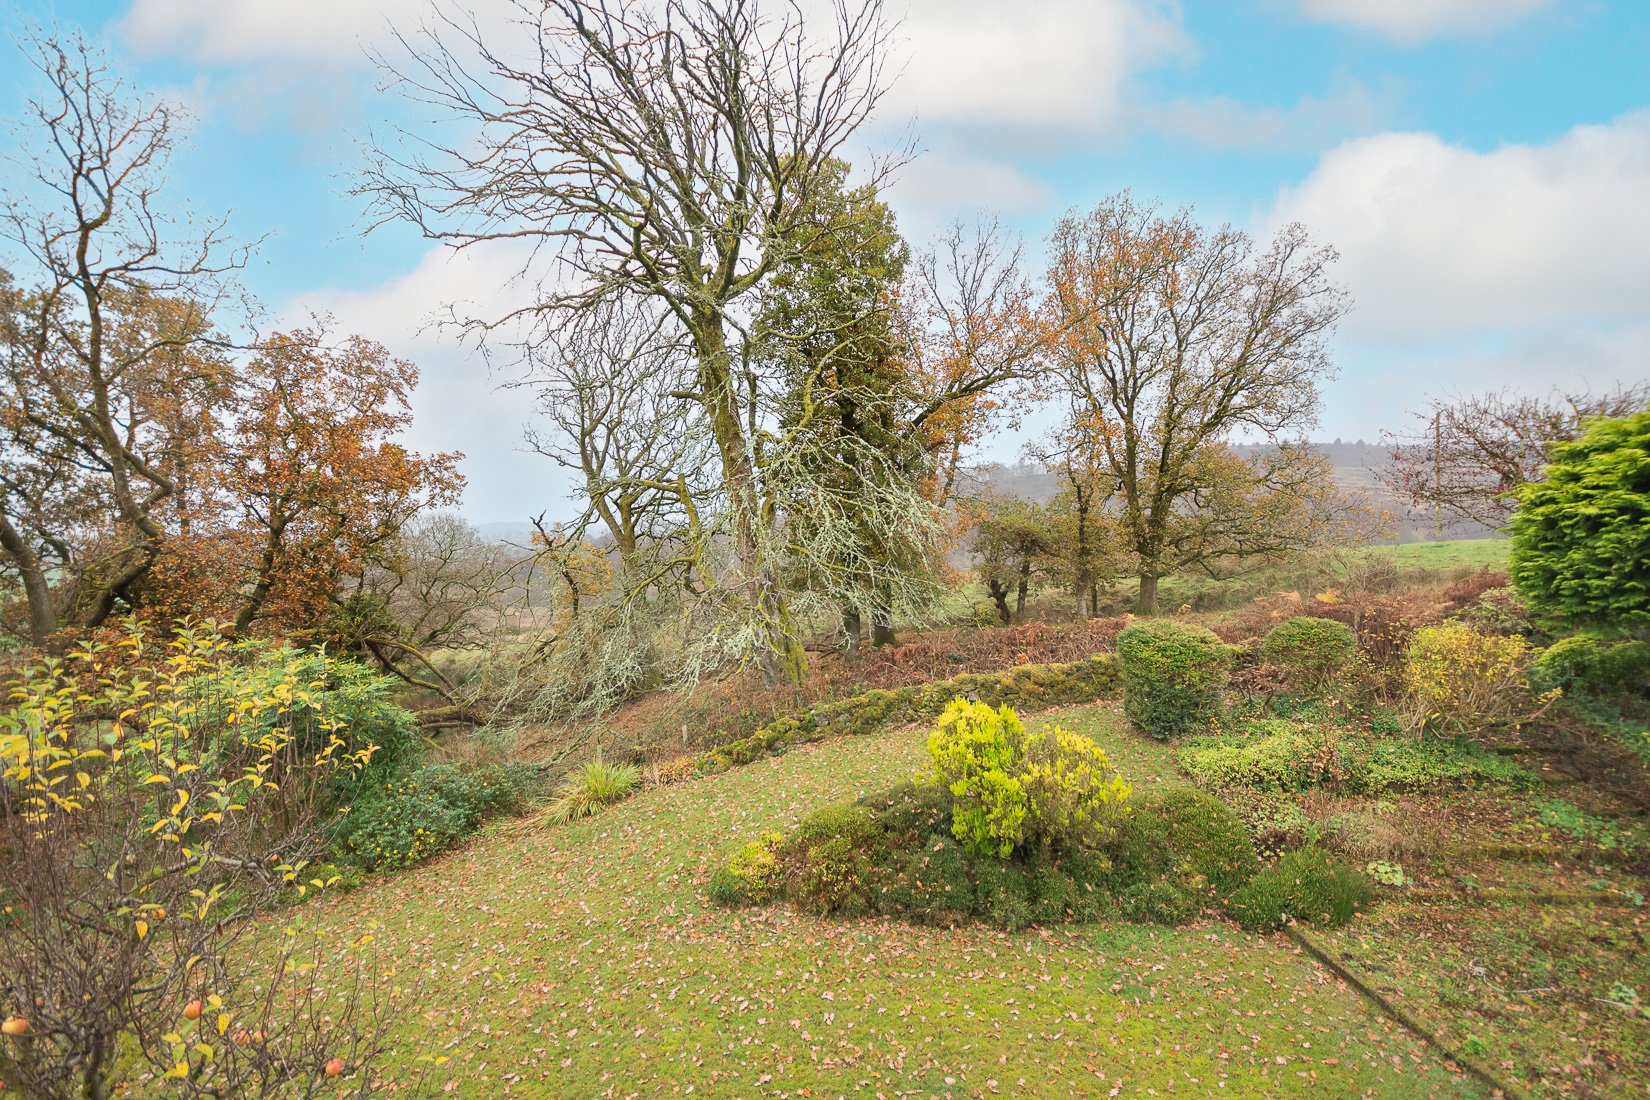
(1465, 456)
(969, 317)
(1075, 452)
(605, 383)
(111, 368)
(665, 151)
(1177, 338)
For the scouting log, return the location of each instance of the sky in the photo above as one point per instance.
(1482, 167)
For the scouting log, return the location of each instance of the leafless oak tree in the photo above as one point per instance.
(668, 151)
(1177, 338)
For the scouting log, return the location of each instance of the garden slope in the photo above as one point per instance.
(584, 961)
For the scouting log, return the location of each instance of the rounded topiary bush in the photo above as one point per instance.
(1173, 676)
(1315, 650)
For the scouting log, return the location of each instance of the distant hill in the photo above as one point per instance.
(1354, 465)
(516, 534)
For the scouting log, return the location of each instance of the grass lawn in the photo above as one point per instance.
(585, 961)
(1446, 558)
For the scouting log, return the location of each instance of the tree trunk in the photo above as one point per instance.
(882, 631)
(999, 596)
(785, 657)
(1021, 589)
(851, 630)
(1147, 603)
(42, 618)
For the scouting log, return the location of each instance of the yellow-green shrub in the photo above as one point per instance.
(1053, 789)
(1464, 680)
(972, 755)
(751, 877)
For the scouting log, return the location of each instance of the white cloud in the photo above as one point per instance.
(1415, 20)
(459, 405)
(214, 31)
(1043, 69)
(1310, 123)
(946, 183)
(1439, 240)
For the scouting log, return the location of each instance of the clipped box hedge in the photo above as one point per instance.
(1027, 686)
(1174, 676)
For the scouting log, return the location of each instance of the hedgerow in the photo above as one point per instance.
(1025, 686)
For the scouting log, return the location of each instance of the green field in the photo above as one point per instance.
(1445, 558)
(585, 961)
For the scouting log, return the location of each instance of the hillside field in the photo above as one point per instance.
(585, 961)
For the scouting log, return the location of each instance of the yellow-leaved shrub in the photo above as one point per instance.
(1052, 789)
(1461, 680)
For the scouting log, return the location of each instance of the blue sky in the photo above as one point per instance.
(1483, 166)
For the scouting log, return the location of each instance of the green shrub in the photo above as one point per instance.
(1002, 893)
(1173, 676)
(925, 880)
(853, 822)
(347, 693)
(1581, 536)
(1055, 896)
(408, 820)
(1272, 756)
(1597, 667)
(1386, 765)
(1160, 902)
(1316, 651)
(1285, 758)
(834, 876)
(833, 849)
(1498, 611)
(590, 786)
(1213, 855)
(1048, 790)
(910, 812)
(1464, 680)
(1307, 885)
(751, 876)
(1275, 822)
